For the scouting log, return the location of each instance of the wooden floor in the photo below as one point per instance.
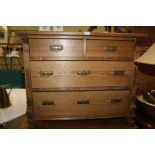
(114, 123)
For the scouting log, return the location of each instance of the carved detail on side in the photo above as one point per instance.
(28, 78)
(30, 116)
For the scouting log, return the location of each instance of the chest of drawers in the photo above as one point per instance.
(78, 76)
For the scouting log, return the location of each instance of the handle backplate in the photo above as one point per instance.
(116, 100)
(118, 72)
(46, 73)
(83, 72)
(82, 101)
(47, 102)
(110, 48)
(55, 48)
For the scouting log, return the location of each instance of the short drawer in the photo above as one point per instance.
(80, 104)
(111, 49)
(50, 48)
(81, 74)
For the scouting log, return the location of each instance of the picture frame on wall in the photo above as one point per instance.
(44, 28)
(3, 34)
(58, 28)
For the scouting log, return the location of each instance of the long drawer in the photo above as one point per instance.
(77, 74)
(51, 105)
(55, 48)
(111, 49)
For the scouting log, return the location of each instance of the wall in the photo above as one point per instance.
(66, 28)
(15, 39)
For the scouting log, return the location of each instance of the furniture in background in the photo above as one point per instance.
(14, 56)
(11, 56)
(144, 80)
(146, 65)
(143, 120)
(79, 75)
(3, 62)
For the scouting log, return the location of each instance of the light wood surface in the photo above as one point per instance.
(79, 76)
(30, 107)
(70, 47)
(65, 104)
(34, 34)
(96, 48)
(65, 74)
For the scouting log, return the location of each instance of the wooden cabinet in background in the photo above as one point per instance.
(78, 76)
(145, 81)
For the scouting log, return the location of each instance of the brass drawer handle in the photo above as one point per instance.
(110, 48)
(55, 48)
(83, 72)
(118, 72)
(116, 100)
(47, 102)
(46, 73)
(82, 101)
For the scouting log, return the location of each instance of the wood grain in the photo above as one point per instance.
(30, 106)
(70, 47)
(96, 48)
(65, 74)
(30, 34)
(83, 71)
(66, 105)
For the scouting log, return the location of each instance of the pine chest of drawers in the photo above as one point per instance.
(79, 76)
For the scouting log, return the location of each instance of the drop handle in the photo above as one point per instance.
(83, 72)
(47, 102)
(118, 72)
(116, 100)
(110, 48)
(46, 73)
(82, 101)
(55, 48)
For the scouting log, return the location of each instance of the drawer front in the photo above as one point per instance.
(77, 74)
(80, 104)
(55, 48)
(111, 49)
